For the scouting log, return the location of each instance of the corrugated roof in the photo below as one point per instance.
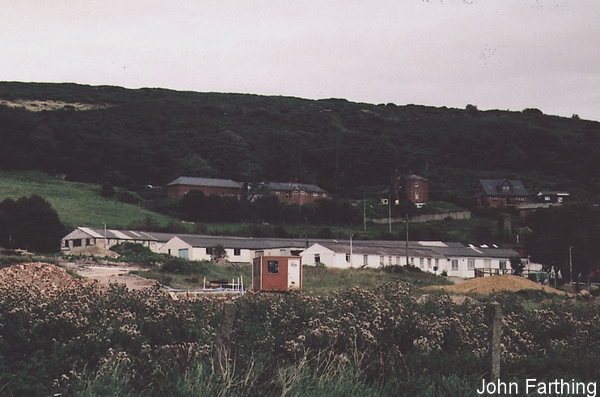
(212, 182)
(118, 234)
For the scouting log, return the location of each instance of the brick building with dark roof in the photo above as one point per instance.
(501, 193)
(223, 187)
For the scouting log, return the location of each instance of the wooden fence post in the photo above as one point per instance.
(222, 352)
(496, 340)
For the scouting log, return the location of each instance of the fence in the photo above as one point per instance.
(425, 217)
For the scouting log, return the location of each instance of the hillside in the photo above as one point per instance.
(150, 136)
(76, 203)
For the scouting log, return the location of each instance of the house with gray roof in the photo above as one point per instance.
(455, 259)
(290, 192)
(223, 187)
(83, 237)
(501, 193)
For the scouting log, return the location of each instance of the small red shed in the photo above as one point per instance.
(277, 273)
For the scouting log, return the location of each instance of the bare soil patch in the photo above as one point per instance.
(38, 106)
(37, 275)
(107, 275)
(492, 284)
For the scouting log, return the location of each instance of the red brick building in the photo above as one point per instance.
(413, 187)
(501, 193)
(223, 187)
(292, 192)
(416, 188)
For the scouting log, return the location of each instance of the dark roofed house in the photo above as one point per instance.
(223, 187)
(502, 193)
(295, 193)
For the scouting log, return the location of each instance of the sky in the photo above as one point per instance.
(494, 54)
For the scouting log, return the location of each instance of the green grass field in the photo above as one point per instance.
(77, 204)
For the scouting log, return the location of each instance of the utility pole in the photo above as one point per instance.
(571, 262)
(364, 213)
(105, 245)
(390, 211)
(351, 250)
(406, 222)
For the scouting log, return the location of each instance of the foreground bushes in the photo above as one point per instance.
(85, 342)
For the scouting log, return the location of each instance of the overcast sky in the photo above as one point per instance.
(495, 54)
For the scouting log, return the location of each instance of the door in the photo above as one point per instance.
(183, 253)
(294, 277)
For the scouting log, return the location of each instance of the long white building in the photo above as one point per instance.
(455, 259)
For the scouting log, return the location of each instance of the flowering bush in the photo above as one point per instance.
(67, 340)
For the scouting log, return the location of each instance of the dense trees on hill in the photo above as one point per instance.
(30, 223)
(565, 236)
(151, 136)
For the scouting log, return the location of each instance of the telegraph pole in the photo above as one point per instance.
(406, 222)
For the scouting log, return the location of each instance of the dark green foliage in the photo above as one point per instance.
(151, 136)
(30, 223)
(564, 234)
(107, 190)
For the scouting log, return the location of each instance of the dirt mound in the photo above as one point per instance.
(94, 250)
(489, 285)
(36, 275)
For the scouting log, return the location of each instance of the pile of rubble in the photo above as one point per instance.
(492, 284)
(36, 275)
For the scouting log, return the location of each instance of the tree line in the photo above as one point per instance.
(152, 136)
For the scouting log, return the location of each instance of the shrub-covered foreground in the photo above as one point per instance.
(82, 341)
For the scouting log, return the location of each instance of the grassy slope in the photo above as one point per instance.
(77, 204)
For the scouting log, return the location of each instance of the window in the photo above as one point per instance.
(295, 192)
(302, 193)
(416, 183)
(169, 251)
(412, 261)
(77, 242)
(421, 262)
(381, 260)
(273, 267)
(237, 251)
(347, 257)
(315, 194)
(487, 263)
(470, 263)
(494, 198)
(87, 241)
(390, 260)
(365, 260)
(429, 263)
(505, 188)
(454, 264)
(416, 195)
(397, 260)
(559, 199)
(277, 193)
(288, 195)
(317, 258)
(437, 263)
(502, 265)
(67, 243)
(547, 198)
(520, 198)
(324, 194)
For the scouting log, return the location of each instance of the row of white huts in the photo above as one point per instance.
(455, 259)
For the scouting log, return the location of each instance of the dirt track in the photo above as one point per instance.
(112, 274)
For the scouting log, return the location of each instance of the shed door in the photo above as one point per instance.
(294, 273)
(183, 253)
